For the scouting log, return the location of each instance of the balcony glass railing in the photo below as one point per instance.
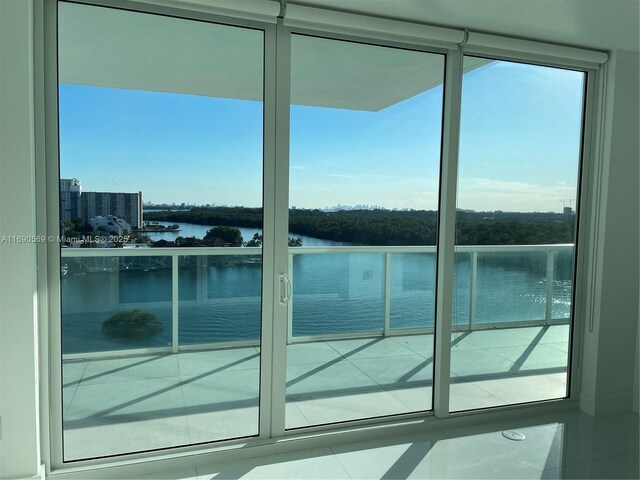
(202, 297)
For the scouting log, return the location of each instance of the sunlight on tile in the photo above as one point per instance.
(312, 464)
(202, 396)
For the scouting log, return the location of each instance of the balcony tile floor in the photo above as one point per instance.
(136, 403)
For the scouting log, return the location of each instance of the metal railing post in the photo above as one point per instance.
(290, 303)
(551, 257)
(387, 293)
(175, 305)
(473, 282)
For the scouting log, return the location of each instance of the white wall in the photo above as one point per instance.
(609, 354)
(19, 443)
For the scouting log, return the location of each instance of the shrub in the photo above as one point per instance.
(131, 324)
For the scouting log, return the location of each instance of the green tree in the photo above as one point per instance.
(131, 324)
(76, 228)
(295, 242)
(189, 242)
(230, 236)
(256, 241)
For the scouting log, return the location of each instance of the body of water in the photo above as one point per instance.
(220, 296)
(199, 231)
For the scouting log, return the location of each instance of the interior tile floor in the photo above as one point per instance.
(136, 403)
(564, 445)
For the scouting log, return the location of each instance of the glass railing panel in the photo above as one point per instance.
(223, 300)
(563, 268)
(412, 300)
(462, 290)
(338, 293)
(115, 303)
(188, 282)
(511, 287)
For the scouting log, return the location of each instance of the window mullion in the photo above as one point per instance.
(446, 230)
(281, 228)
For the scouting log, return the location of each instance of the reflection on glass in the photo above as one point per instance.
(222, 302)
(412, 292)
(563, 267)
(159, 339)
(100, 294)
(349, 300)
(510, 287)
(518, 171)
(364, 171)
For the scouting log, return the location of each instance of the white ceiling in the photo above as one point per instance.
(596, 24)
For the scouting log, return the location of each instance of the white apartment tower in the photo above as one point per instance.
(74, 203)
(70, 191)
(127, 206)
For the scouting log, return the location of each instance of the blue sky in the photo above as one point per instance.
(519, 145)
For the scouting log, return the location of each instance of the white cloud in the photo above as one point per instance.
(488, 194)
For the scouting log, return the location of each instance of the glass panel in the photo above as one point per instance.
(521, 130)
(96, 291)
(222, 301)
(351, 300)
(462, 291)
(412, 292)
(159, 338)
(563, 267)
(510, 287)
(364, 171)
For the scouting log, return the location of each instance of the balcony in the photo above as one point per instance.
(197, 381)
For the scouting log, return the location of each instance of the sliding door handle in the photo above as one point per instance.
(285, 288)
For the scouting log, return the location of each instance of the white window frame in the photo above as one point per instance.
(273, 437)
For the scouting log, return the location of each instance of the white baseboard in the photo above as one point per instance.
(605, 404)
(42, 473)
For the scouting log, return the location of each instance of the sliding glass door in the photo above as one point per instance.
(520, 148)
(366, 125)
(161, 170)
(240, 257)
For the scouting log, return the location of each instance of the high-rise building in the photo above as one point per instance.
(70, 191)
(127, 206)
(74, 203)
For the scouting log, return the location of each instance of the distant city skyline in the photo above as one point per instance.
(519, 146)
(328, 208)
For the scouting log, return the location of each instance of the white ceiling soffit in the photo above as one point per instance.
(115, 48)
(336, 74)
